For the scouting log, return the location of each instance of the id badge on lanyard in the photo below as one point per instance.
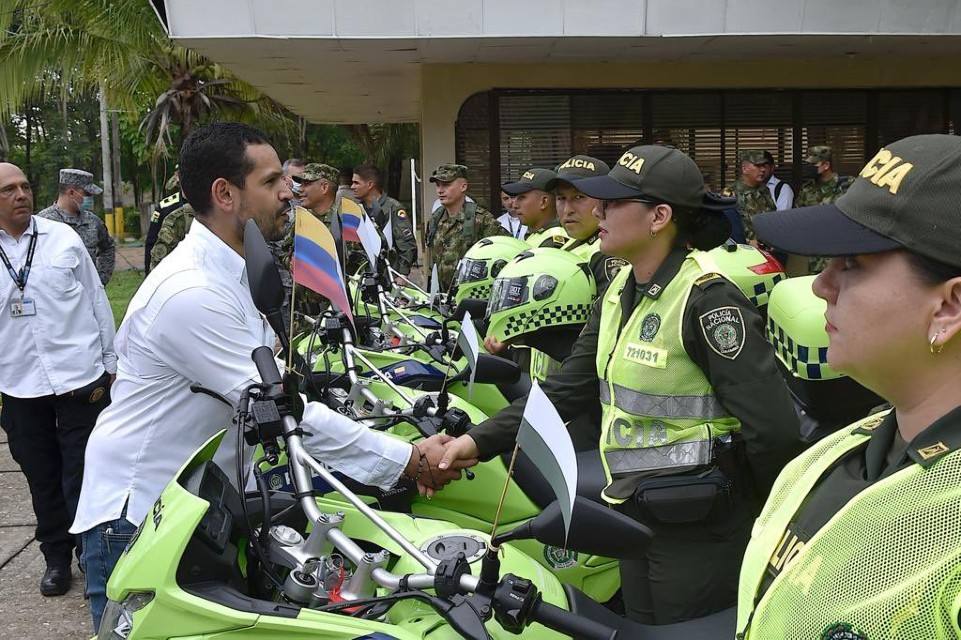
(23, 306)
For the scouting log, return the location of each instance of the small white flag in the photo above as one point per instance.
(370, 239)
(546, 441)
(434, 286)
(469, 344)
(389, 234)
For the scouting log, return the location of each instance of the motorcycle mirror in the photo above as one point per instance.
(263, 279)
(491, 369)
(595, 529)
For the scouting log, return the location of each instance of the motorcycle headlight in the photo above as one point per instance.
(117, 620)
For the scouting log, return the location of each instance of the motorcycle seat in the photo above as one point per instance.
(717, 626)
(590, 478)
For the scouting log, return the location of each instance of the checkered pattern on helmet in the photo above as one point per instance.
(806, 362)
(762, 290)
(545, 317)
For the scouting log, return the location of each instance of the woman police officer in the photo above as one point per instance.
(861, 537)
(696, 420)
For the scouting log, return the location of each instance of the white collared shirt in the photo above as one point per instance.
(68, 343)
(786, 199)
(193, 320)
(513, 225)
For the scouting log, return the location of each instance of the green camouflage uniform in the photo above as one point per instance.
(174, 229)
(449, 237)
(404, 254)
(91, 229)
(815, 192)
(751, 201)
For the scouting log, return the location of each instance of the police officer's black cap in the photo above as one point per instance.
(656, 173)
(534, 178)
(905, 197)
(577, 168)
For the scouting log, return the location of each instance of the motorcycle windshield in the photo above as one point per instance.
(471, 270)
(507, 293)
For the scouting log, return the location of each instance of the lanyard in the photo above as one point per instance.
(510, 221)
(20, 279)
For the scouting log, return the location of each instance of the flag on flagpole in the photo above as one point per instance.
(389, 234)
(315, 264)
(434, 286)
(544, 438)
(468, 343)
(351, 214)
(370, 239)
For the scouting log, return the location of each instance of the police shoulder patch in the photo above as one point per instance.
(723, 330)
(402, 214)
(708, 279)
(408, 232)
(612, 266)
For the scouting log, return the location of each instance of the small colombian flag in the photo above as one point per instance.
(315, 264)
(351, 214)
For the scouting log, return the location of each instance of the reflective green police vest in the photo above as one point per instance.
(555, 233)
(887, 564)
(659, 413)
(583, 249)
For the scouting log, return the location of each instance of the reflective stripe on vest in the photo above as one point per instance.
(662, 406)
(659, 412)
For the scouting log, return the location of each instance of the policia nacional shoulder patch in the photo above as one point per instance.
(724, 331)
(612, 266)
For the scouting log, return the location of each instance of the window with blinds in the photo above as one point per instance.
(541, 128)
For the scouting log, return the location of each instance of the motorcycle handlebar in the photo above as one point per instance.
(263, 358)
(569, 623)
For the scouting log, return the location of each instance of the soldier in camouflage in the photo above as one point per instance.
(318, 185)
(456, 224)
(171, 202)
(750, 189)
(174, 229)
(825, 188)
(75, 186)
(366, 185)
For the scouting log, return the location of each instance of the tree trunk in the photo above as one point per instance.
(105, 154)
(4, 144)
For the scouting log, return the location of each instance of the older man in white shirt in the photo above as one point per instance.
(193, 320)
(55, 363)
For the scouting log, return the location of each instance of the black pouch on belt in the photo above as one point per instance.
(683, 499)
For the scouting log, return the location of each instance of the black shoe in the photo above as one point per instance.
(56, 580)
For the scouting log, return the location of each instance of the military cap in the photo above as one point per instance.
(577, 168)
(448, 173)
(79, 178)
(533, 178)
(818, 154)
(754, 156)
(316, 171)
(904, 198)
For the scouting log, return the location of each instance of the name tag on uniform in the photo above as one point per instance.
(646, 355)
(23, 307)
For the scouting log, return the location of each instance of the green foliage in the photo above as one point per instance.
(120, 290)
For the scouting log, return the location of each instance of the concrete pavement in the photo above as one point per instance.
(23, 611)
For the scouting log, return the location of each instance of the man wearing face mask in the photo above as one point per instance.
(74, 206)
(823, 186)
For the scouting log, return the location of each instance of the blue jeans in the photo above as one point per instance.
(102, 547)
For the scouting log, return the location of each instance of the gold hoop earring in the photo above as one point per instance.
(935, 350)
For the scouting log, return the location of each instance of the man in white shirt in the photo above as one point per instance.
(781, 191)
(193, 320)
(56, 363)
(508, 217)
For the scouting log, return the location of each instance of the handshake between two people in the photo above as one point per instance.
(438, 460)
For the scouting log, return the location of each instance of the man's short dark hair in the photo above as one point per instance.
(217, 150)
(346, 176)
(368, 172)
